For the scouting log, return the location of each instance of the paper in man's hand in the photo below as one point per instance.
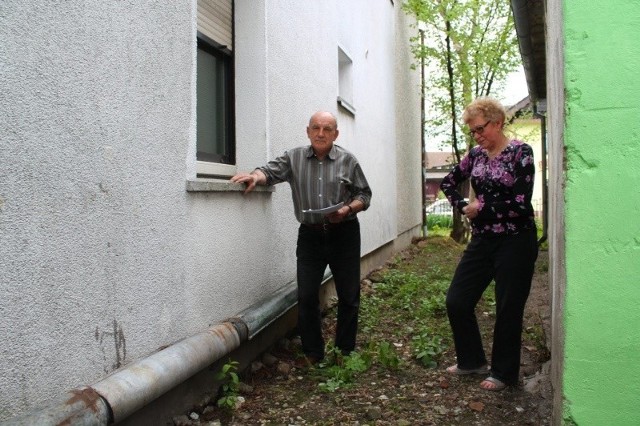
(325, 210)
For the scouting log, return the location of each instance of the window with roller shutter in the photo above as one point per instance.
(215, 91)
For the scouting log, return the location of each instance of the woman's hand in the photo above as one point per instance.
(471, 210)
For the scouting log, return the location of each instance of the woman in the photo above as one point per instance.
(503, 245)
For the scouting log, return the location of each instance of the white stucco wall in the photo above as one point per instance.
(408, 128)
(104, 256)
(95, 248)
(298, 66)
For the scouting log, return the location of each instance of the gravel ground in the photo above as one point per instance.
(274, 392)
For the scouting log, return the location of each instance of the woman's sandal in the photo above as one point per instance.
(454, 369)
(492, 384)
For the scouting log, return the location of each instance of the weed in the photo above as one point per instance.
(434, 305)
(230, 386)
(387, 356)
(537, 335)
(437, 231)
(369, 314)
(405, 300)
(331, 385)
(439, 221)
(567, 417)
(427, 348)
(542, 266)
(489, 295)
(340, 371)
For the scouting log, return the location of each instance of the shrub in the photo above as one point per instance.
(439, 221)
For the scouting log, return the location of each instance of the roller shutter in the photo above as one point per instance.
(215, 21)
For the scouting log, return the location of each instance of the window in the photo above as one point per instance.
(345, 81)
(215, 92)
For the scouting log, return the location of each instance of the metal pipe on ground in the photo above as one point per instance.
(81, 407)
(130, 388)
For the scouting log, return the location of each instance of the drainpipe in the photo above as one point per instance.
(423, 119)
(539, 110)
(520, 11)
(130, 388)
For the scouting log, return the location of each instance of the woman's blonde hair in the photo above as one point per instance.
(488, 108)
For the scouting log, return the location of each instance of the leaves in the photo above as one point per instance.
(467, 48)
(230, 385)
(396, 307)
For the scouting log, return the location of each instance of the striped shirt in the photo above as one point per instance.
(316, 184)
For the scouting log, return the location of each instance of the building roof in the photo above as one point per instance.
(529, 18)
(438, 160)
(517, 110)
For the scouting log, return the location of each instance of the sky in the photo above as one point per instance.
(515, 90)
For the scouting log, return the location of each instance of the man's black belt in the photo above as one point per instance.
(327, 226)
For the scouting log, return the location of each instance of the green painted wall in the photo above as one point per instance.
(602, 211)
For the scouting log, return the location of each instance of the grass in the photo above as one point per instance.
(404, 342)
(409, 297)
(439, 221)
(403, 317)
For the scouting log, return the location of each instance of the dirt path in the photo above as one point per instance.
(276, 393)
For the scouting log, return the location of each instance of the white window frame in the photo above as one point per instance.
(215, 29)
(345, 81)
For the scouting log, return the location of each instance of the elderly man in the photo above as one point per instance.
(322, 176)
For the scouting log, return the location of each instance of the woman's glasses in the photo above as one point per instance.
(478, 129)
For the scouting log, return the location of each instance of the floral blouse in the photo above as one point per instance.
(503, 186)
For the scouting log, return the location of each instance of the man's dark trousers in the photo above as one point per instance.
(339, 247)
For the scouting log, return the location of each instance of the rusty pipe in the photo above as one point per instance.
(130, 388)
(79, 407)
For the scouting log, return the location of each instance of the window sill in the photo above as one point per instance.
(222, 185)
(347, 106)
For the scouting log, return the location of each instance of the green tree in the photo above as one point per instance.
(467, 47)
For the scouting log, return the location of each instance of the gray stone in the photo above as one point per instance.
(284, 343)
(182, 420)
(284, 368)
(268, 359)
(245, 388)
(532, 384)
(374, 413)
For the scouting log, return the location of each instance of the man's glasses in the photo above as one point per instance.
(478, 129)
